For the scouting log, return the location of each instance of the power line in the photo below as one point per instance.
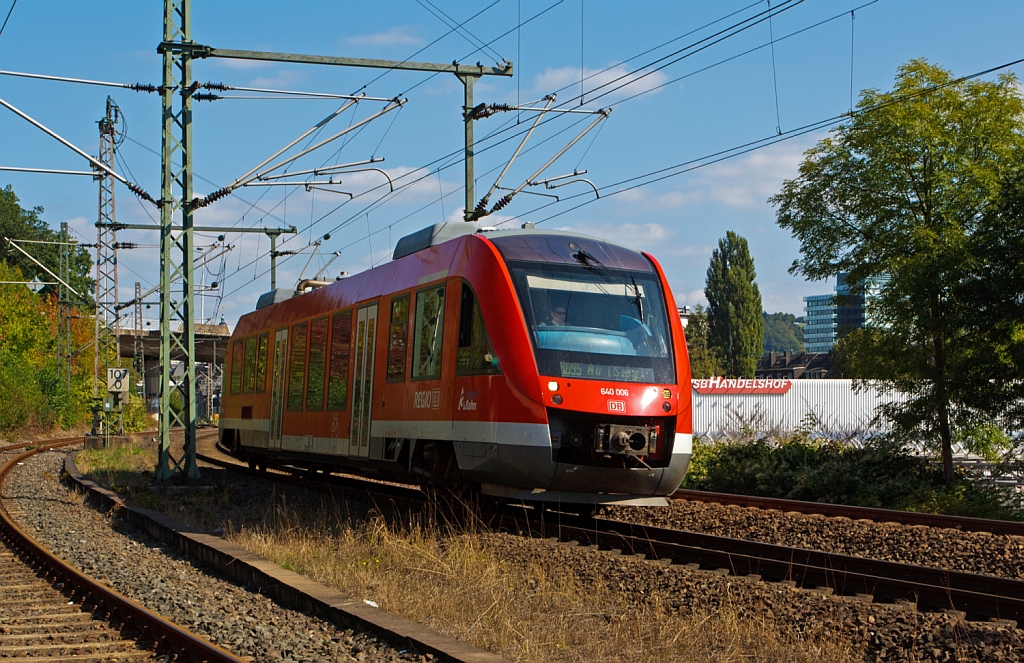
(739, 150)
(728, 32)
(9, 12)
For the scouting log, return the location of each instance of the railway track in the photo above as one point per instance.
(50, 611)
(980, 597)
(857, 512)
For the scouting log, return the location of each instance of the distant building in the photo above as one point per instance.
(830, 317)
(803, 366)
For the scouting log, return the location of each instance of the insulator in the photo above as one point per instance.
(125, 245)
(481, 207)
(144, 87)
(505, 200)
(477, 111)
(215, 86)
(495, 108)
(203, 96)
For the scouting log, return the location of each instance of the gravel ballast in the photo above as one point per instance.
(973, 552)
(127, 559)
(886, 632)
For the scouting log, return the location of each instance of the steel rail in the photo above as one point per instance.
(928, 588)
(346, 485)
(857, 512)
(88, 590)
(980, 596)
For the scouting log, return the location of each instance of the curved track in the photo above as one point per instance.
(53, 612)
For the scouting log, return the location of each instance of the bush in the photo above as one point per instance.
(882, 474)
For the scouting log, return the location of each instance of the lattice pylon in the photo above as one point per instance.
(176, 196)
(107, 328)
(64, 303)
(139, 348)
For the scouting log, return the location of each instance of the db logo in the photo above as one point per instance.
(616, 406)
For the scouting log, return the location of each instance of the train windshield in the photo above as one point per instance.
(591, 322)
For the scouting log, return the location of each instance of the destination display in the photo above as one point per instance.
(571, 369)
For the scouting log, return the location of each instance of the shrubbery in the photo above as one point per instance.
(33, 395)
(882, 474)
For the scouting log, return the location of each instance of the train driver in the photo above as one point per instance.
(556, 312)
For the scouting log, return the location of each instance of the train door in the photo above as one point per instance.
(277, 387)
(362, 380)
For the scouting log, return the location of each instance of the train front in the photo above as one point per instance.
(612, 367)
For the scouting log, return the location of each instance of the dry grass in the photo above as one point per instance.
(464, 585)
(475, 587)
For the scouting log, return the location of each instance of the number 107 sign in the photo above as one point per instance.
(117, 380)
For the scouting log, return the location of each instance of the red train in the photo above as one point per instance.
(521, 363)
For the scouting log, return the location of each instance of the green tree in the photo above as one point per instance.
(17, 222)
(901, 189)
(781, 333)
(735, 325)
(704, 359)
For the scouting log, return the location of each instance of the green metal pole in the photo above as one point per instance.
(165, 463)
(188, 331)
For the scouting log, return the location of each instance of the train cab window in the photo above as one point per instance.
(428, 332)
(398, 339)
(474, 354)
(297, 367)
(236, 367)
(317, 365)
(337, 377)
(249, 366)
(261, 364)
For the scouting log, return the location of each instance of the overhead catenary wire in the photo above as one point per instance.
(746, 23)
(459, 29)
(746, 148)
(9, 12)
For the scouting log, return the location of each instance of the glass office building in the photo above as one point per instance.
(830, 317)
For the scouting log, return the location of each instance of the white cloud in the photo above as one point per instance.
(690, 298)
(397, 36)
(618, 78)
(749, 181)
(661, 201)
(282, 79)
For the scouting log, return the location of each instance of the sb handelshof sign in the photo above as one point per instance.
(720, 385)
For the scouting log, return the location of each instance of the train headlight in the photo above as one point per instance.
(552, 386)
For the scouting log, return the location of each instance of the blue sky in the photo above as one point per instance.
(697, 106)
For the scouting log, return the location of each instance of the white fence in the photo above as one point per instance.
(826, 408)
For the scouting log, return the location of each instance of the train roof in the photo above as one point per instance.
(519, 244)
(526, 243)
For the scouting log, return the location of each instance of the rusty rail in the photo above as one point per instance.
(857, 512)
(80, 585)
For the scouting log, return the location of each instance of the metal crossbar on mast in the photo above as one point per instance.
(178, 51)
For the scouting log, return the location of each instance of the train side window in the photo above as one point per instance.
(428, 333)
(297, 367)
(261, 363)
(474, 355)
(341, 341)
(249, 366)
(317, 365)
(236, 367)
(398, 339)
